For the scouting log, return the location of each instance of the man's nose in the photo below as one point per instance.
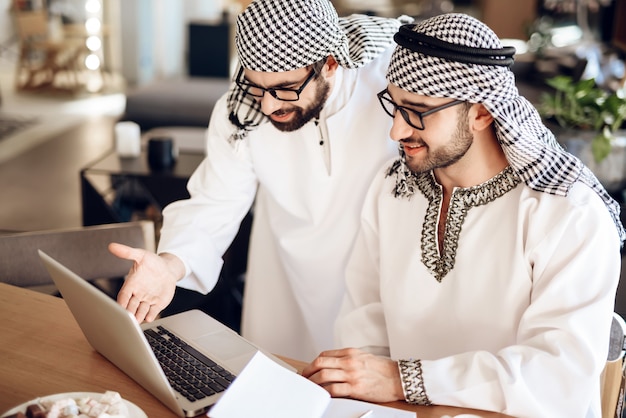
(400, 129)
(269, 104)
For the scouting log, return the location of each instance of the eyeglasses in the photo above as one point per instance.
(410, 116)
(284, 94)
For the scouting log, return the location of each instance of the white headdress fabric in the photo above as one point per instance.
(530, 148)
(285, 35)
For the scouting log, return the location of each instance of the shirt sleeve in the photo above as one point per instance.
(199, 230)
(361, 320)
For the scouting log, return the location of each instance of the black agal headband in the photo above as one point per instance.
(429, 45)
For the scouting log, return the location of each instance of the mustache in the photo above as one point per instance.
(282, 111)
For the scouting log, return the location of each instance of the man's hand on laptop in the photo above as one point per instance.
(151, 282)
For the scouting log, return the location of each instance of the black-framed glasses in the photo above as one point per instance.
(279, 93)
(410, 116)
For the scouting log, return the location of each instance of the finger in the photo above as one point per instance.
(139, 318)
(313, 367)
(323, 361)
(339, 390)
(328, 376)
(118, 249)
(142, 311)
(126, 252)
(124, 295)
(308, 371)
(341, 352)
(133, 305)
(152, 313)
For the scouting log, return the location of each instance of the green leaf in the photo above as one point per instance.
(586, 89)
(615, 111)
(560, 83)
(601, 145)
(582, 105)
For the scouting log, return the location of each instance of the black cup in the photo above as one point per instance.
(161, 153)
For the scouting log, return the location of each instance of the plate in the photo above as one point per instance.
(133, 410)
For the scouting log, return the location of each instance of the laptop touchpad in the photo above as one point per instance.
(225, 345)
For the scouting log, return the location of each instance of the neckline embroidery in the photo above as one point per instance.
(461, 201)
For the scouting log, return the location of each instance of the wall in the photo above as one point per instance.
(136, 50)
(508, 19)
(154, 34)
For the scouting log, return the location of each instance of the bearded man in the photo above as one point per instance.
(298, 136)
(485, 270)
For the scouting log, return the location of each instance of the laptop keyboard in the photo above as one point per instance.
(190, 372)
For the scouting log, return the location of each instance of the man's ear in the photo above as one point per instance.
(330, 67)
(480, 118)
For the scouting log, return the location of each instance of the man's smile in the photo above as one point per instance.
(412, 148)
(281, 115)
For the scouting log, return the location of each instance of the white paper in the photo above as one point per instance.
(350, 408)
(265, 389)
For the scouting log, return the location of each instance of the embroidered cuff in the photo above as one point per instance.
(412, 382)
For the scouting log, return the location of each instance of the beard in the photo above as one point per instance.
(443, 156)
(302, 116)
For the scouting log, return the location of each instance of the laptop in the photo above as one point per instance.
(114, 333)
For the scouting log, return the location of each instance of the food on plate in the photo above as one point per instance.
(108, 405)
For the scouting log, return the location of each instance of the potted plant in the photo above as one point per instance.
(590, 119)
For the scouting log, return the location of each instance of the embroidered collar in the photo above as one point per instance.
(461, 201)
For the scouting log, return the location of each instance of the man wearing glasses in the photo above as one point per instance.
(485, 270)
(299, 135)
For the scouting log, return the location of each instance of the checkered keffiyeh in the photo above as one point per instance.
(530, 148)
(285, 35)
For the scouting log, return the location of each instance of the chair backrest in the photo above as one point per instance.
(83, 250)
(612, 379)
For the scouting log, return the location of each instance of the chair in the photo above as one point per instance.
(612, 378)
(46, 62)
(83, 250)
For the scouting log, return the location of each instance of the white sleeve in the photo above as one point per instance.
(361, 320)
(199, 230)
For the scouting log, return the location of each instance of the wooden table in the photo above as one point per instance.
(43, 351)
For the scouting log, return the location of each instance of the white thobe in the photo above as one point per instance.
(311, 186)
(520, 324)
